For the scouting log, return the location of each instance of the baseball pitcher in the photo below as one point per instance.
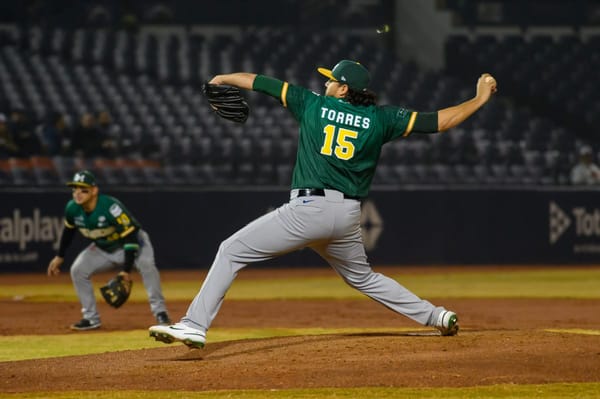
(340, 139)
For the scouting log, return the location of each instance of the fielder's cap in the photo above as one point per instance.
(83, 178)
(349, 72)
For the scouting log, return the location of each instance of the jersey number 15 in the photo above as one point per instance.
(344, 149)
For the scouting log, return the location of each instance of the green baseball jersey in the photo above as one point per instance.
(106, 225)
(340, 143)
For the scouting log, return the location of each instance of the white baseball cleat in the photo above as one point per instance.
(178, 332)
(447, 323)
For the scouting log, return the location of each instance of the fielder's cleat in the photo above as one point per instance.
(85, 324)
(162, 318)
(178, 332)
(447, 323)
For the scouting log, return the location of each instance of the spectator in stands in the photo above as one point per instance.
(149, 147)
(86, 138)
(55, 134)
(585, 171)
(8, 148)
(105, 122)
(26, 140)
(89, 141)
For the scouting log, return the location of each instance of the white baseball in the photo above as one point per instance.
(489, 79)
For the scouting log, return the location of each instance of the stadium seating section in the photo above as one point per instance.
(167, 135)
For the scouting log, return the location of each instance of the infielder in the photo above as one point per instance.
(117, 239)
(341, 135)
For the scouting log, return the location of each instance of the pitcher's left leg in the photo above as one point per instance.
(287, 228)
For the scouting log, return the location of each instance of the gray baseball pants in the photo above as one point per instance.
(93, 260)
(330, 225)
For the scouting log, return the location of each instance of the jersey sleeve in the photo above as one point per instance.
(399, 121)
(122, 218)
(270, 86)
(297, 100)
(290, 96)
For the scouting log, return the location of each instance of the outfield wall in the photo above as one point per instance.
(401, 226)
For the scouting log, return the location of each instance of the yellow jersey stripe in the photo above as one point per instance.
(126, 232)
(71, 226)
(284, 90)
(411, 123)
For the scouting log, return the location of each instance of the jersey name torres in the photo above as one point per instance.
(340, 143)
(106, 225)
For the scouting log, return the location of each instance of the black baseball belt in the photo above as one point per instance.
(319, 192)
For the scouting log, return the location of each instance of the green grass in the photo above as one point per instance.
(45, 346)
(579, 331)
(506, 391)
(562, 283)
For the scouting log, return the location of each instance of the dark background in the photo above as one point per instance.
(479, 194)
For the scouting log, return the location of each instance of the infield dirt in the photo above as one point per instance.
(501, 341)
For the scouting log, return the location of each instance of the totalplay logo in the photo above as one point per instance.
(23, 229)
(587, 223)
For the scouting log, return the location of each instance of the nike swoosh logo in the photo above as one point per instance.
(306, 201)
(186, 332)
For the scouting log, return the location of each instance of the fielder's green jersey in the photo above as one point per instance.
(340, 143)
(106, 225)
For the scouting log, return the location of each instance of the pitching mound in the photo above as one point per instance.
(502, 341)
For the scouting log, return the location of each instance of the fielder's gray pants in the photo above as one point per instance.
(330, 225)
(93, 260)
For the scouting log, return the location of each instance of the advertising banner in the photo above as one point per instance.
(399, 227)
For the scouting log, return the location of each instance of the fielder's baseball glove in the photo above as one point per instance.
(116, 291)
(226, 101)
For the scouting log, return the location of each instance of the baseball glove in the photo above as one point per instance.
(116, 291)
(226, 101)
